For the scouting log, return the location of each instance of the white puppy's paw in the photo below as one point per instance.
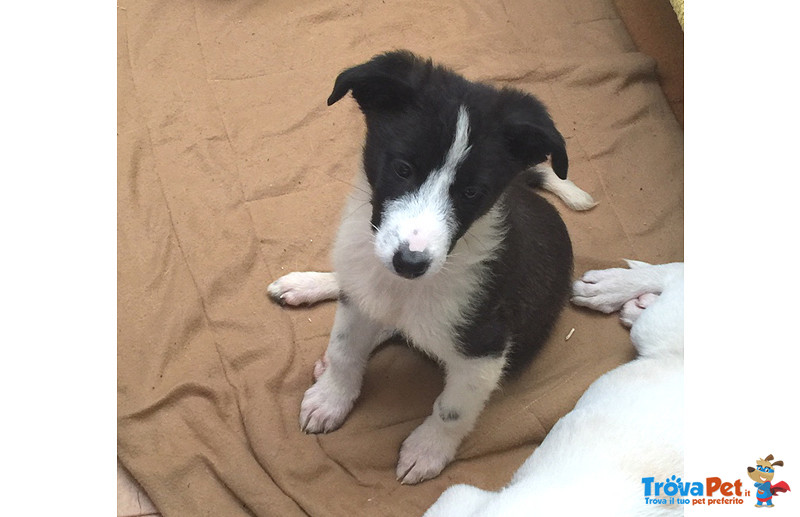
(324, 409)
(606, 290)
(424, 454)
(302, 287)
(632, 309)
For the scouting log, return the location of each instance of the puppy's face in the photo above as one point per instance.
(439, 152)
(426, 187)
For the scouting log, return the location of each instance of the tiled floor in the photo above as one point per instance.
(131, 499)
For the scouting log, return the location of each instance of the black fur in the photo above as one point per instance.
(530, 282)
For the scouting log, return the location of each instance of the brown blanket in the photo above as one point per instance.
(233, 171)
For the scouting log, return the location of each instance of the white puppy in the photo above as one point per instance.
(627, 426)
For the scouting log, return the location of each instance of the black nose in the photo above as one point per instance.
(410, 264)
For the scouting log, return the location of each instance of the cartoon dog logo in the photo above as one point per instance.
(762, 474)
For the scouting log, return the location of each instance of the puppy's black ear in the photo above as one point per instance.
(387, 81)
(531, 135)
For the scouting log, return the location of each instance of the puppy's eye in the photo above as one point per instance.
(402, 168)
(471, 193)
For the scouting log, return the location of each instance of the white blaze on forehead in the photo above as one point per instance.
(460, 147)
(424, 218)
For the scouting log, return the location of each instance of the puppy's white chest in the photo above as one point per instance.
(424, 309)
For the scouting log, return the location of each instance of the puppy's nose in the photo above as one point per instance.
(410, 264)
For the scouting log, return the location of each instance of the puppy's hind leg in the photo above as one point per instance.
(304, 287)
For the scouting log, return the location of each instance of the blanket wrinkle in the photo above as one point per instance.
(211, 468)
(345, 469)
(658, 223)
(609, 149)
(208, 321)
(187, 389)
(237, 488)
(542, 72)
(631, 118)
(642, 69)
(299, 124)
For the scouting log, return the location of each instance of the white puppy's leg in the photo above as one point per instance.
(304, 287)
(566, 190)
(468, 384)
(339, 373)
(607, 290)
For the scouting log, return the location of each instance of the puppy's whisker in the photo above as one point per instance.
(352, 185)
(359, 207)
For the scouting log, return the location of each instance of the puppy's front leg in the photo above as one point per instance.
(339, 374)
(468, 384)
(302, 287)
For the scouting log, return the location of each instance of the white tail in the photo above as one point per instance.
(566, 190)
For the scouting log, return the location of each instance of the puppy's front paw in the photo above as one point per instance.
(303, 287)
(324, 409)
(424, 454)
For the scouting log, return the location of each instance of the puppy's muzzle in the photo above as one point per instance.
(410, 264)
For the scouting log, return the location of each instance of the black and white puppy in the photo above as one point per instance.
(442, 243)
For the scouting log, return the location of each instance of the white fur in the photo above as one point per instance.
(566, 190)
(628, 425)
(298, 288)
(432, 445)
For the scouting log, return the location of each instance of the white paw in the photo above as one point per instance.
(324, 409)
(632, 309)
(606, 290)
(425, 453)
(302, 287)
